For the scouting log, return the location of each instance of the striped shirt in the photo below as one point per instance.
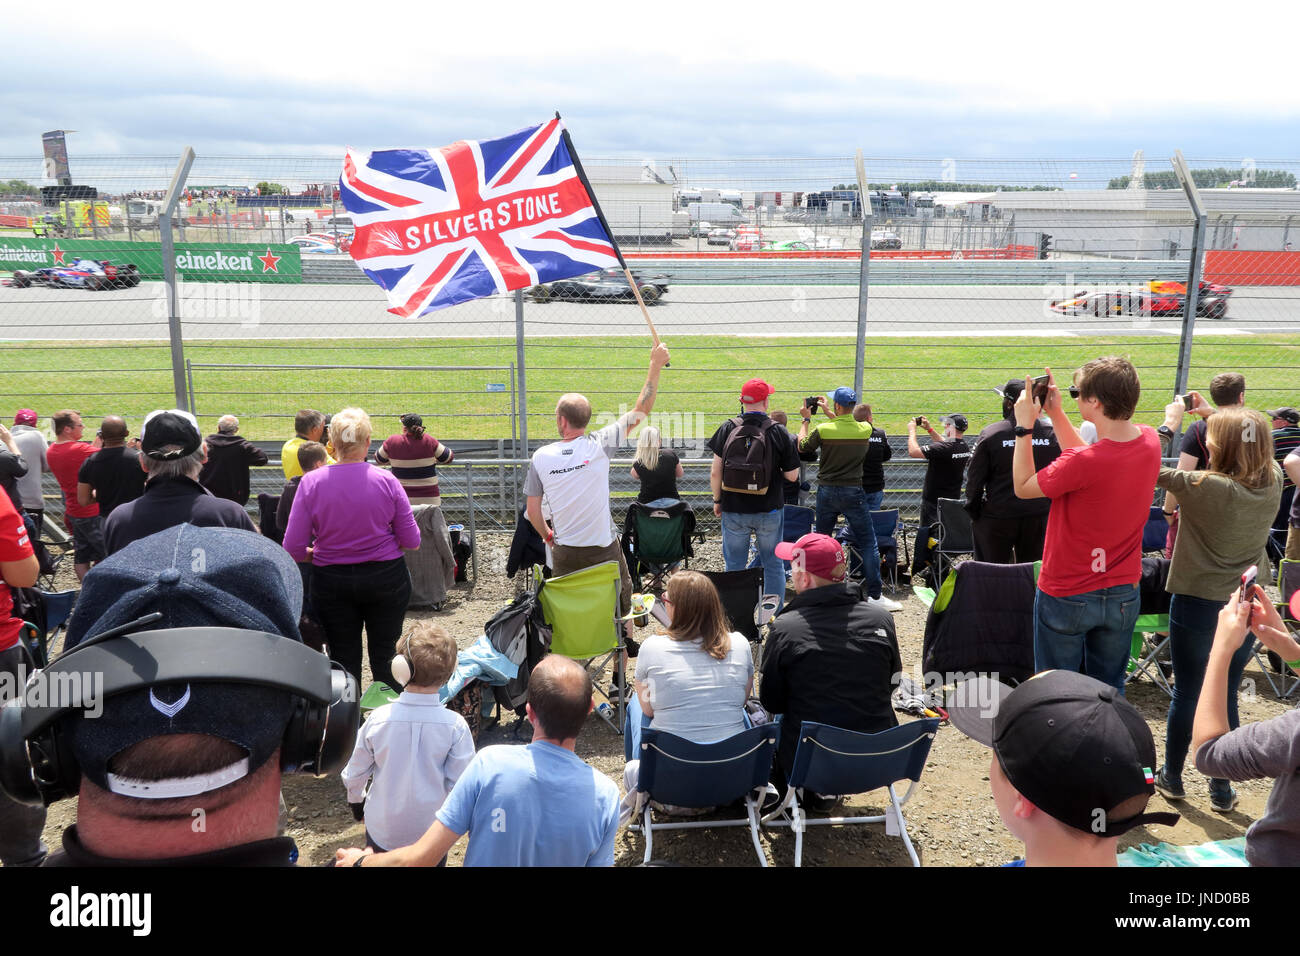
(415, 464)
(1285, 441)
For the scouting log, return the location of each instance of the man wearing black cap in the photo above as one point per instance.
(1007, 529)
(946, 458)
(189, 774)
(172, 456)
(1073, 763)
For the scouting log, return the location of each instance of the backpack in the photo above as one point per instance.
(747, 457)
(519, 631)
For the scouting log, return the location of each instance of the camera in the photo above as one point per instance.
(920, 420)
(811, 404)
(1039, 394)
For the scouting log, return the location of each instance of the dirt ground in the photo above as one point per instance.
(951, 816)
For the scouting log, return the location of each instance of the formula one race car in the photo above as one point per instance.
(82, 274)
(608, 285)
(1160, 298)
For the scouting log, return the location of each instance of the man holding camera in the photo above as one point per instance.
(946, 458)
(1007, 529)
(1087, 600)
(844, 442)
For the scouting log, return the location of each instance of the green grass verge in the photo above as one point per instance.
(902, 378)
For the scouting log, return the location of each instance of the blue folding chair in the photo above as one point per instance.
(684, 774)
(1155, 532)
(885, 524)
(58, 609)
(797, 521)
(831, 760)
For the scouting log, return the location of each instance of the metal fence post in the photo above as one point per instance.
(169, 276)
(1193, 273)
(189, 378)
(473, 538)
(864, 270)
(522, 370)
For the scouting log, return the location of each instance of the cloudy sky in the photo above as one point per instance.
(979, 82)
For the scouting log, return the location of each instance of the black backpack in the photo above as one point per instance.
(747, 457)
(519, 631)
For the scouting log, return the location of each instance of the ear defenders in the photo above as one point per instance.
(403, 667)
(37, 765)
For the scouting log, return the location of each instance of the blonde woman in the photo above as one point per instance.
(1224, 517)
(657, 468)
(693, 681)
(352, 521)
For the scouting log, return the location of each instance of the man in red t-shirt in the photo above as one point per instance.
(20, 825)
(65, 457)
(1087, 601)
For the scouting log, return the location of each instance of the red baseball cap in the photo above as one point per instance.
(755, 391)
(820, 553)
(25, 416)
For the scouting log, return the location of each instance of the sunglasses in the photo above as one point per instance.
(1074, 391)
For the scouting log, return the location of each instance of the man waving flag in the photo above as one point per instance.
(439, 227)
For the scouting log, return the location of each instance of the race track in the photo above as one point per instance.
(243, 311)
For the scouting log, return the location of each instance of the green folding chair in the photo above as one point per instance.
(582, 611)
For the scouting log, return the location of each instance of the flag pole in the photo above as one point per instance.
(586, 184)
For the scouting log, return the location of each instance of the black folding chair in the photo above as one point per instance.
(956, 537)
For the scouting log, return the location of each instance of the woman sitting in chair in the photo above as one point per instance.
(691, 682)
(657, 468)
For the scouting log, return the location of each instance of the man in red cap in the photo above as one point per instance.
(751, 456)
(829, 657)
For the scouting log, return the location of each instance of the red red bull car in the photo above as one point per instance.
(1161, 297)
(82, 274)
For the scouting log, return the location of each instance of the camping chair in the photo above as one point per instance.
(831, 760)
(885, 524)
(656, 541)
(1153, 622)
(582, 611)
(58, 542)
(982, 620)
(1155, 532)
(58, 609)
(797, 521)
(747, 607)
(684, 774)
(955, 534)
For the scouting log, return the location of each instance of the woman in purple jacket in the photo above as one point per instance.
(352, 521)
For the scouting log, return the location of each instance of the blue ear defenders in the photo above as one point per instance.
(37, 765)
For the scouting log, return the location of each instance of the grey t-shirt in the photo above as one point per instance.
(1270, 748)
(695, 696)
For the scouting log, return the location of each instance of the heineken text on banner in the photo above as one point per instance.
(438, 227)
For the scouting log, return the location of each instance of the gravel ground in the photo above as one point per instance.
(951, 816)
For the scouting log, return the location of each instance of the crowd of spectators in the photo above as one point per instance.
(162, 539)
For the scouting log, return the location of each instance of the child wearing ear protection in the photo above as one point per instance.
(413, 750)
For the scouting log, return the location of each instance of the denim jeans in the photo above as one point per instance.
(874, 500)
(1192, 623)
(372, 594)
(1089, 633)
(765, 528)
(851, 501)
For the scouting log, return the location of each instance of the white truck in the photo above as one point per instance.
(718, 213)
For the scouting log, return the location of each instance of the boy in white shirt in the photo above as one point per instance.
(414, 748)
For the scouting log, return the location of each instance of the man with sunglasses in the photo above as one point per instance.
(1087, 600)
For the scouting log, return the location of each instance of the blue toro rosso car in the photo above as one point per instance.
(82, 274)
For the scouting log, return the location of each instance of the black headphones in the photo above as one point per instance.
(37, 764)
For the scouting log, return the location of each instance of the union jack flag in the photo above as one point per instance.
(439, 227)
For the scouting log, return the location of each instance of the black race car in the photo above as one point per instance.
(608, 285)
(82, 274)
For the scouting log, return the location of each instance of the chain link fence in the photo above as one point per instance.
(978, 272)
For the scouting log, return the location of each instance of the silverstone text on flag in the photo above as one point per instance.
(438, 227)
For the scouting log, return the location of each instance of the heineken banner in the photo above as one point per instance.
(195, 261)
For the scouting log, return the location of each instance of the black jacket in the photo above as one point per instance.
(225, 473)
(526, 547)
(990, 490)
(829, 657)
(167, 503)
